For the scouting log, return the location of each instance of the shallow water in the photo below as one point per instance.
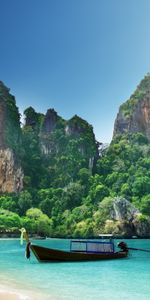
(116, 279)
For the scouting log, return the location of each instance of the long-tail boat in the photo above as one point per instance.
(80, 250)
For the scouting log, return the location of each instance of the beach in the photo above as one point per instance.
(30, 280)
(4, 295)
(9, 293)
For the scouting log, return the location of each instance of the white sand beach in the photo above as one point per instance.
(12, 295)
(8, 293)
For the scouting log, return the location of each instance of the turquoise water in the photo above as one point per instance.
(116, 279)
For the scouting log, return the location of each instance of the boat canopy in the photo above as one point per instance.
(91, 246)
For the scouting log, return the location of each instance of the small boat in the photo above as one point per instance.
(80, 250)
(87, 251)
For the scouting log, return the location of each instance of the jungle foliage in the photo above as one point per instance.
(63, 197)
(70, 180)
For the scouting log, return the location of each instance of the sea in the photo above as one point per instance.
(119, 279)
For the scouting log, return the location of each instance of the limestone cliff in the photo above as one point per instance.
(50, 121)
(63, 137)
(79, 129)
(57, 148)
(134, 115)
(50, 126)
(76, 126)
(11, 175)
(125, 219)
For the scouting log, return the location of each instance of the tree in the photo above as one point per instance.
(126, 190)
(102, 214)
(44, 225)
(83, 229)
(34, 213)
(8, 203)
(98, 192)
(141, 186)
(72, 195)
(46, 206)
(84, 176)
(24, 202)
(9, 219)
(145, 205)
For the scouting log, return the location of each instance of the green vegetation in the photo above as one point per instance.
(69, 187)
(73, 202)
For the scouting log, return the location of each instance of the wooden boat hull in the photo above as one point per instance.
(50, 255)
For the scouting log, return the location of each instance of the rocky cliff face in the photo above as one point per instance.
(59, 147)
(123, 210)
(11, 175)
(49, 127)
(61, 137)
(50, 121)
(125, 219)
(3, 95)
(76, 126)
(134, 115)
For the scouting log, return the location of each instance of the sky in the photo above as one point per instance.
(83, 57)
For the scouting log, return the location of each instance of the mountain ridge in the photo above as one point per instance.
(57, 180)
(134, 114)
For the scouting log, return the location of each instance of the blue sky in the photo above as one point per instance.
(82, 57)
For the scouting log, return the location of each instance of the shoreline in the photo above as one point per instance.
(11, 293)
(4, 295)
(68, 238)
